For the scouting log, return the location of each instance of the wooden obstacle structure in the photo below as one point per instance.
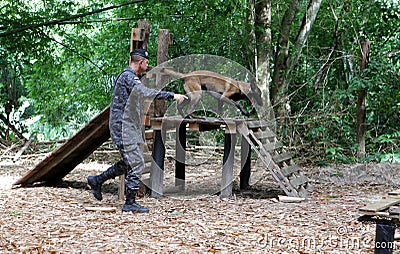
(255, 135)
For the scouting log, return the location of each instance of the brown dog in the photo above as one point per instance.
(223, 88)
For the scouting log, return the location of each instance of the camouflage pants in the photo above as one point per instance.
(132, 164)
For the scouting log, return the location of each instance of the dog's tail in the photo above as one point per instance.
(172, 73)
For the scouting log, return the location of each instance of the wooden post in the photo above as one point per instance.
(140, 36)
(228, 159)
(384, 239)
(121, 187)
(145, 27)
(164, 40)
(245, 160)
(157, 166)
(180, 155)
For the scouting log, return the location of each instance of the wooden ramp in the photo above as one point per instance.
(270, 151)
(63, 160)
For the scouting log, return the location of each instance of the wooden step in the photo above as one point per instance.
(282, 158)
(270, 147)
(267, 134)
(287, 171)
(296, 182)
(257, 124)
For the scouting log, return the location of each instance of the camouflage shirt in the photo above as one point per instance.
(126, 110)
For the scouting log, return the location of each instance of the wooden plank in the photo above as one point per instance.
(296, 182)
(394, 193)
(286, 199)
(257, 124)
(100, 209)
(380, 214)
(264, 134)
(121, 187)
(394, 210)
(270, 147)
(282, 157)
(380, 205)
(287, 171)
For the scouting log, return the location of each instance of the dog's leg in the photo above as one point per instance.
(193, 91)
(181, 106)
(236, 104)
(219, 102)
(194, 100)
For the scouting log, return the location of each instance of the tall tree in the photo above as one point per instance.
(286, 57)
(261, 18)
(361, 103)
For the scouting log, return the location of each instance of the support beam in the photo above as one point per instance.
(245, 159)
(180, 156)
(157, 166)
(228, 160)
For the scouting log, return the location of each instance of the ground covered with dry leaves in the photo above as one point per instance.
(44, 219)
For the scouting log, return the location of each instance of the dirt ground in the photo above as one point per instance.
(53, 219)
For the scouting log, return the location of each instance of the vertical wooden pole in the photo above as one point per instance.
(145, 29)
(180, 155)
(245, 160)
(384, 239)
(228, 159)
(157, 167)
(121, 187)
(164, 40)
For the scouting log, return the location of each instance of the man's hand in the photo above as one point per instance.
(179, 98)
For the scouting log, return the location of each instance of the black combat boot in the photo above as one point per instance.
(95, 182)
(131, 205)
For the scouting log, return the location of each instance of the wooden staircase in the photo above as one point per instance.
(271, 152)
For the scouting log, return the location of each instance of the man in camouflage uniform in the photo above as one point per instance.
(126, 129)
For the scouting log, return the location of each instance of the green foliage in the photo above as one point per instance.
(66, 70)
(325, 90)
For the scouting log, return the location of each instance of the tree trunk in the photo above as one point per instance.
(361, 104)
(285, 62)
(281, 64)
(308, 22)
(262, 34)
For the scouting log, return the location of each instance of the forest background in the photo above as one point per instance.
(58, 60)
